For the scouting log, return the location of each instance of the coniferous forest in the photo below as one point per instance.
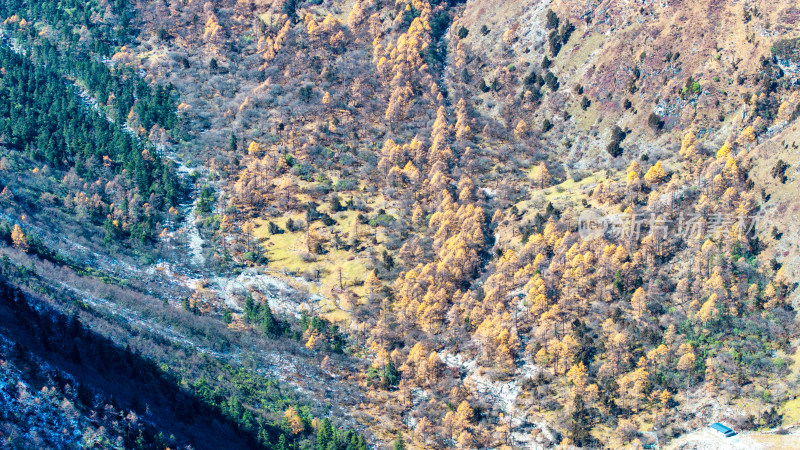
(410, 224)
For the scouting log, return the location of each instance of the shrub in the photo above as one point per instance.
(566, 32)
(787, 49)
(294, 226)
(551, 81)
(614, 149)
(778, 171)
(551, 21)
(546, 125)
(617, 136)
(655, 121)
(530, 79)
(382, 220)
(275, 229)
(346, 184)
(692, 87)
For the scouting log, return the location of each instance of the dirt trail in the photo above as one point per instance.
(193, 238)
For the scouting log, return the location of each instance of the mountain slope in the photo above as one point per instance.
(420, 174)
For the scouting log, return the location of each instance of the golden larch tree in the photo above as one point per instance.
(19, 239)
(656, 174)
(294, 420)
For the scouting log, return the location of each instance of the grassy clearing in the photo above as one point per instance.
(791, 409)
(791, 412)
(584, 120)
(585, 48)
(571, 190)
(564, 194)
(337, 275)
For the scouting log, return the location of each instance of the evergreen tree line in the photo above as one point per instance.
(42, 116)
(331, 438)
(261, 314)
(118, 87)
(68, 17)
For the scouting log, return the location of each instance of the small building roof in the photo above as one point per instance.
(723, 429)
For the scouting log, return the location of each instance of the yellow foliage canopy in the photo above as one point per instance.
(656, 174)
(294, 420)
(19, 239)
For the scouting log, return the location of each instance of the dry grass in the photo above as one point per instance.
(288, 252)
(783, 208)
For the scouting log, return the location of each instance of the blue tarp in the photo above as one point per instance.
(723, 429)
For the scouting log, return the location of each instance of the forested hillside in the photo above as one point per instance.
(413, 224)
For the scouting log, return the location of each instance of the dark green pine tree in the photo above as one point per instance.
(391, 376)
(357, 442)
(282, 445)
(250, 309)
(398, 443)
(269, 325)
(325, 434)
(233, 143)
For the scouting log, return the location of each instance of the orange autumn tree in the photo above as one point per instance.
(19, 239)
